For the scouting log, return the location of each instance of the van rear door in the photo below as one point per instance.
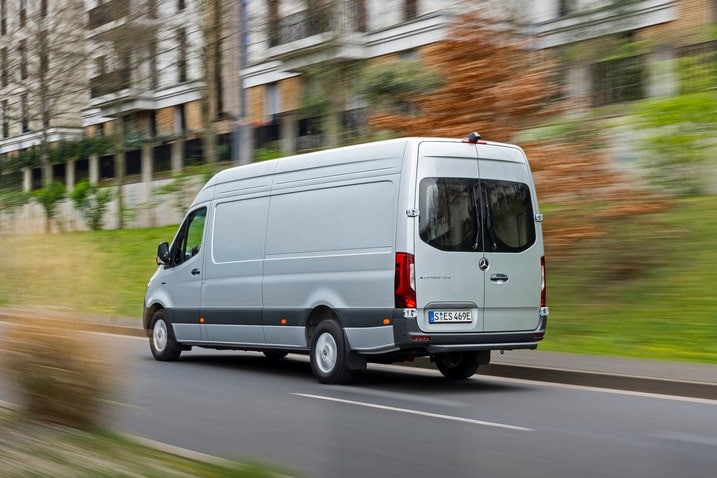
(512, 240)
(449, 284)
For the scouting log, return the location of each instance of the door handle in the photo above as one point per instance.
(195, 272)
(499, 278)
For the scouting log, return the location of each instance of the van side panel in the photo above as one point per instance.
(330, 242)
(232, 298)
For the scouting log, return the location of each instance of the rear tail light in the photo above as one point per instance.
(405, 282)
(543, 293)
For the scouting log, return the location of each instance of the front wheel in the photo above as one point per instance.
(328, 354)
(161, 339)
(457, 366)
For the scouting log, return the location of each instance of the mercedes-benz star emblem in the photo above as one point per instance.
(483, 264)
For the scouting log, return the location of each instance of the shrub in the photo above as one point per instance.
(92, 202)
(57, 375)
(49, 198)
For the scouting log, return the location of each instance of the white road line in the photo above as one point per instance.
(416, 412)
(613, 391)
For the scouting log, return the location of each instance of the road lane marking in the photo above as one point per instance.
(613, 391)
(690, 438)
(416, 412)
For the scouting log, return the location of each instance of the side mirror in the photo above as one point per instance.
(163, 253)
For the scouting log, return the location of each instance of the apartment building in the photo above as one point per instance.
(43, 88)
(160, 72)
(147, 76)
(618, 51)
(291, 41)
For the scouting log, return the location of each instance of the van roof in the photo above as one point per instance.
(377, 149)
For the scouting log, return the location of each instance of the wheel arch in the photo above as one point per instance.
(317, 315)
(149, 313)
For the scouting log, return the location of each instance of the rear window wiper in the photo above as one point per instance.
(477, 206)
(489, 222)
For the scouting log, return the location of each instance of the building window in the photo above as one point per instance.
(44, 55)
(566, 7)
(181, 4)
(24, 113)
(101, 65)
(180, 119)
(4, 74)
(273, 100)
(22, 53)
(273, 22)
(182, 55)
(619, 80)
(218, 80)
(23, 12)
(43, 8)
(360, 22)
(3, 15)
(153, 73)
(5, 119)
(410, 9)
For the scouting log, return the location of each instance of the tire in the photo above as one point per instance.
(457, 366)
(328, 354)
(273, 354)
(161, 338)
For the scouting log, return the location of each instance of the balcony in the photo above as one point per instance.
(122, 17)
(108, 12)
(608, 20)
(110, 82)
(312, 35)
(113, 94)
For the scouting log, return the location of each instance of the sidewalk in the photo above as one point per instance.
(649, 376)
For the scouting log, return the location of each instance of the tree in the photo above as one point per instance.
(47, 72)
(492, 82)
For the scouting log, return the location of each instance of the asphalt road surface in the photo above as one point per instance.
(402, 422)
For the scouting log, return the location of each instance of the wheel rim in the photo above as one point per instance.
(326, 353)
(159, 335)
(452, 360)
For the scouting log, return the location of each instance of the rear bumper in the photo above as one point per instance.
(407, 335)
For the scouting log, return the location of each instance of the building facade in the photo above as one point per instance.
(181, 82)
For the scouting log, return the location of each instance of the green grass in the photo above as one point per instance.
(646, 288)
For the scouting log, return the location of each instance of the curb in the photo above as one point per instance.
(630, 383)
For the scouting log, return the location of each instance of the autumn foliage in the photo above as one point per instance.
(496, 84)
(492, 83)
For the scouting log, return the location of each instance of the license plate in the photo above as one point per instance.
(453, 316)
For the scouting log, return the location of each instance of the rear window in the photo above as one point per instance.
(471, 215)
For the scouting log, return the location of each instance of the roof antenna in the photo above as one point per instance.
(472, 138)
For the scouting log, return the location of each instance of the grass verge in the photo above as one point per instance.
(34, 449)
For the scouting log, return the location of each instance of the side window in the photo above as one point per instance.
(189, 239)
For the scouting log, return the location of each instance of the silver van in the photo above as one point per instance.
(380, 252)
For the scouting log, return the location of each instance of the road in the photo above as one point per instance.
(398, 421)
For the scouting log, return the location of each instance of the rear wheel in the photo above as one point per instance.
(457, 366)
(328, 354)
(161, 340)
